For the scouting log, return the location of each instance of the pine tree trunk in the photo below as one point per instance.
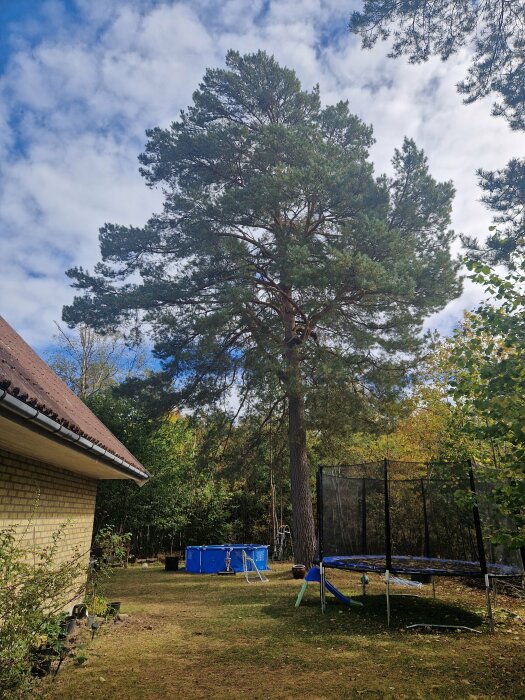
(302, 512)
(303, 527)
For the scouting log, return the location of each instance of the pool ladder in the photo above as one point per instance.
(258, 576)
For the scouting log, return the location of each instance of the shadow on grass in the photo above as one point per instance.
(405, 610)
(278, 602)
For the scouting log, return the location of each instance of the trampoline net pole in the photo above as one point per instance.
(322, 586)
(387, 582)
(388, 543)
(477, 524)
(388, 536)
(425, 520)
(364, 547)
(319, 494)
(481, 548)
(489, 606)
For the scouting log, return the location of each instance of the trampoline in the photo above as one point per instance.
(418, 566)
(374, 518)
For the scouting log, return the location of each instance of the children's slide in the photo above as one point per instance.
(314, 576)
(334, 591)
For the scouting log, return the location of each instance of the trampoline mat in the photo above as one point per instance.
(418, 565)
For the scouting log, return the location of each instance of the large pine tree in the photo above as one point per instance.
(279, 260)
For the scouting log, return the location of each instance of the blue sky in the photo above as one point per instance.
(81, 81)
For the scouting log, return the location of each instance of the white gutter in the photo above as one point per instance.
(32, 414)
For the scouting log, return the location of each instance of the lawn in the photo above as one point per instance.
(211, 637)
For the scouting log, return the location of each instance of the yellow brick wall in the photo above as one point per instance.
(38, 498)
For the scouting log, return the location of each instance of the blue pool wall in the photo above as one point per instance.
(209, 559)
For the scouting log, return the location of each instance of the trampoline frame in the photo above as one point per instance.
(435, 568)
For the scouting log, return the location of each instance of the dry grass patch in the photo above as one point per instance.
(211, 637)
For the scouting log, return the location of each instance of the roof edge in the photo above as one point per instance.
(31, 414)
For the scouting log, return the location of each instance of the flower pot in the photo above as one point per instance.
(171, 564)
(299, 571)
(42, 660)
(41, 668)
(113, 608)
(68, 625)
(79, 611)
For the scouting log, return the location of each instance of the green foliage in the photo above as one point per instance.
(34, 588)
(252, 457)
(488, 383)
(127, 418)
(112, 551)
(185, 500)
(80, 657)
(504, 193)
(494, 28)
(114, 547)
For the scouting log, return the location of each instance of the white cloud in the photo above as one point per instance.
(75, 101)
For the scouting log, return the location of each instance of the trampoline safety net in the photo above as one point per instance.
(373, 517)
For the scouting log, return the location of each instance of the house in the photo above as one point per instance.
(53, 451)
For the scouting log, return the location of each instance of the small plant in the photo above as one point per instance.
(114, 547)
(80, 657)
(113, 550)
(98, 606)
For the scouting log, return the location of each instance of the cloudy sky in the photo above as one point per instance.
(81, 80)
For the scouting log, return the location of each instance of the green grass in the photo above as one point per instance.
(212, 637)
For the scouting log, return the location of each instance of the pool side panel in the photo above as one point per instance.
(210, 559)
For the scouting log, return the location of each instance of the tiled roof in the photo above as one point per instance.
(24, 375)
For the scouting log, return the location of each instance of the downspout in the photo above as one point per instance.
(34, 415)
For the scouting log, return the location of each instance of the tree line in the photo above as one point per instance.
(216, 476)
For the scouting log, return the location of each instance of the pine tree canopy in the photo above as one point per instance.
(504, 193)
(495, 29)
(279, 263)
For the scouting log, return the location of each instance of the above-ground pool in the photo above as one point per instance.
(212, 557)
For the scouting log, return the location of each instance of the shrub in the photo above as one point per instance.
(34, 589)
(112, 550)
